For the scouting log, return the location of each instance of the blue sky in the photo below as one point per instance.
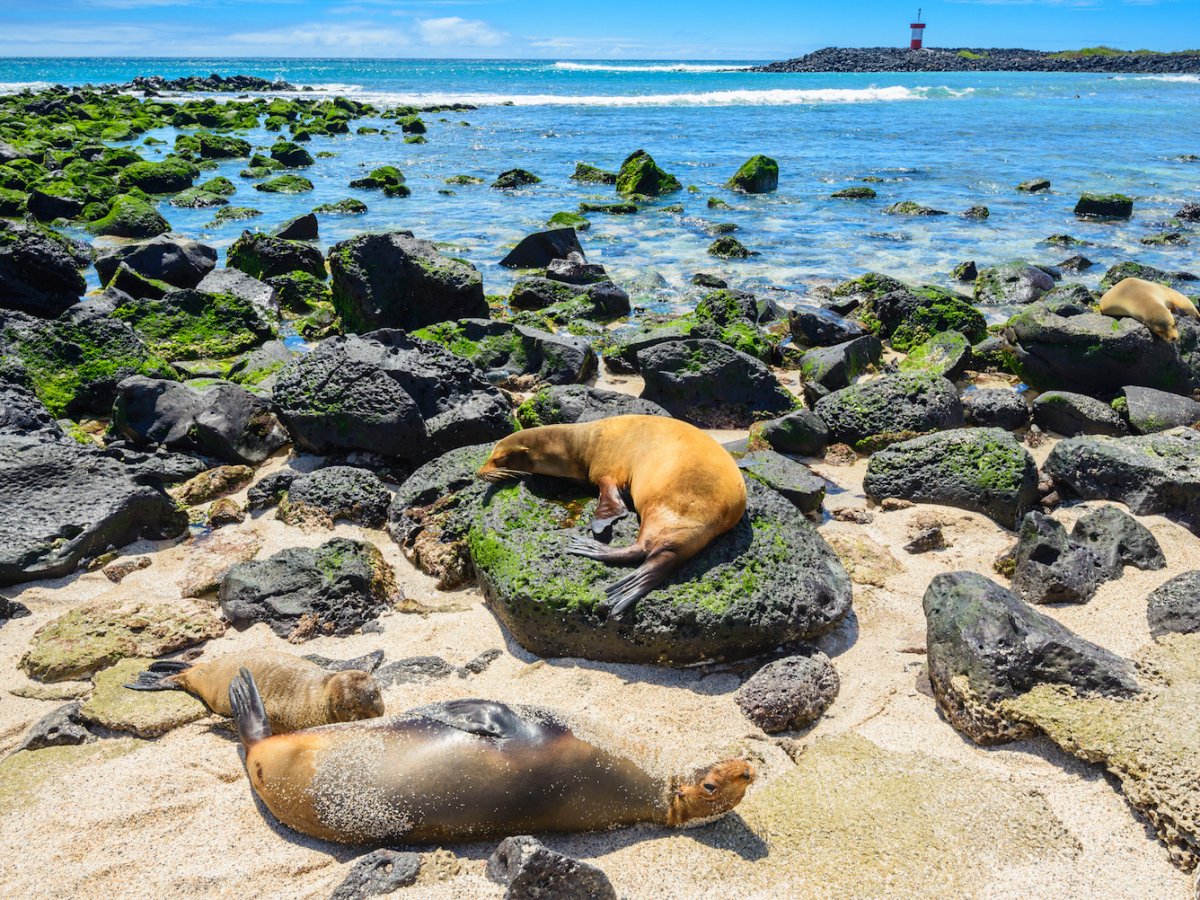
(603, 29)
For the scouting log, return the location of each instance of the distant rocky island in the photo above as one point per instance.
(963, 59)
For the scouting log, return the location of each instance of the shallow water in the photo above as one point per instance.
(948, 140)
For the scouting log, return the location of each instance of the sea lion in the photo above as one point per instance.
(460, 771)
(1151, 304)
(685, 487)
(297, 693)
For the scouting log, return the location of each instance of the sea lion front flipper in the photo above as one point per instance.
(610, 507)
(248, 711)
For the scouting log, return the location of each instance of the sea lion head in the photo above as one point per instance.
(353, 695)
(710, 792)
(532, 451)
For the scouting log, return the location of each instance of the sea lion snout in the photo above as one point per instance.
(712, 792)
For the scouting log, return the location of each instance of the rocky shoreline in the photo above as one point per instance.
(926, 492)
(976, 59)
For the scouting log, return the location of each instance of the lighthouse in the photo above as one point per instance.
(918, 33)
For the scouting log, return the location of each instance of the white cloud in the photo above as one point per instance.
(340, 40)
(454, 30)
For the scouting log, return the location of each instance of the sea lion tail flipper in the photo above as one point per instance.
(625, 592)
(248, 710)
(613, 556)
(158, 676)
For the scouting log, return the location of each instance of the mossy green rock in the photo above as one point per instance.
(196, 324)
(130, 217)
(983, 470)
(146, 714)
(757, 175)
(1104, 206)
(97, 635)
(515, 350)
(873, 414)
(727, 247)
(197, 198)
(588, 174)
(233, 214)
(911, 208)
(514, 178)
(569, 220)
(770, 580)
(947, 354)
(285, 184)
(854, 193)
(165, 177)
(347, 207)
(379, 179)
(641, 176)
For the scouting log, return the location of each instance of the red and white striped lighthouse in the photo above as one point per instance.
(918, 33)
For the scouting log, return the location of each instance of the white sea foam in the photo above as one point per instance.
(739, 97)
(12, 87)
(647, 67)
(1183, 79)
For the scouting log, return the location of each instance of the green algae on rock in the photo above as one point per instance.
(771, 579)
(641, 176)
(757, 175)
(285, 184)
(146, 714)
(96, 635)
(196, 324)
(131, 217)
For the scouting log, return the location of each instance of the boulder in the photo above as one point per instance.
(770, 580)
(298, 228)
(802, 433)
(873, 414)
(104, 631)
(947, 354)
(985, 646)
(757, 175)
(601, 301)
(825, 369)
(983, 470)
(908, 316)
(256, 367)
(569, 404)
(213, 483)
(395, 280)
(813, 326)
(62, 727)
(336, 493)
(529, 870)
(145, 714)
(244, 287)
(39, 269)
(178, 261)
(538, 250)
(1174, 606)
(389, 394)
(130, 217)
(1050, 567)
(1151, 474)
(1012, 283)
(225, 421)
(303, 592)
(710, 384)
(193, 324)
(574, 270)
(1066, 348)
(264, 256)
(995, 408)
(378, 872)
(1150, 410)
(793, 480)
(1104, 206)
(514, 178)
(432, 513)
(640, 176)
(1118, 539)
(61, 503)
(1072, 414)
(22, 414)
(504, 350)
(789, 693)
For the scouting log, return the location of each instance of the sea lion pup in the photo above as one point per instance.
(461, 771)
(1150, 303)
(685, 487)
(297, 693)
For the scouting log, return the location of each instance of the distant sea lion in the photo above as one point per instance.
(1150, 303)
(685, 486)
(297, 693)
(459, 771)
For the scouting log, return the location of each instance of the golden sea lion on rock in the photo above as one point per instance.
(460, 771)
(685, 487)
(1151, 304)
(297, 693)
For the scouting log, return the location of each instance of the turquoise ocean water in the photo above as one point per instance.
(949, 141)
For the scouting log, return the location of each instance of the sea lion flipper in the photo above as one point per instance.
(158, 676)
(624, 592)
(485, 718)
(609, 508)
(248, 710)
(613, 556)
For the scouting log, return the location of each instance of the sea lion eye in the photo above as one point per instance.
(710, 787)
